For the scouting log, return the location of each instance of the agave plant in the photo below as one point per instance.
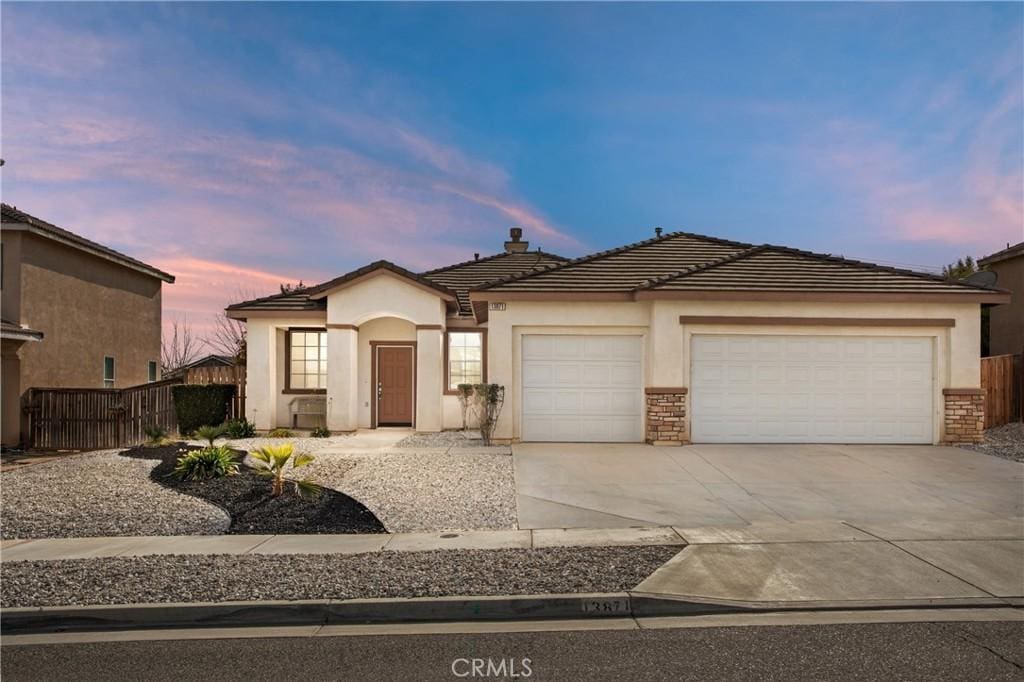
(210, 433)
(274, 460)
(212, 462)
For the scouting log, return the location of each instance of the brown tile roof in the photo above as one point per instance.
(320, 289)
(293, 301)
(10, 330)
(453, 281)
(625, 268)
(462, 277)
(11, 216)
(779, 268)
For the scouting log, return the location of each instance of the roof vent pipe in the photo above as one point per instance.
(516, 243)
(657, 232)
(476, 256)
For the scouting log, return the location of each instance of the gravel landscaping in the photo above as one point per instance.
(99, 494)
(246, 497)
(223, 577)
(1006, 441)
(449, 439)
(301, 443)
(413, 491)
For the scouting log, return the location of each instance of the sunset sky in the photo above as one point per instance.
(240, 146)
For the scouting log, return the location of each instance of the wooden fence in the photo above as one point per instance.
(98, 418)
(1002, 379)
(222, 375)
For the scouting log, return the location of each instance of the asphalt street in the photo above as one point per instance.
(909, 651)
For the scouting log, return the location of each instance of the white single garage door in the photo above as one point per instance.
(811, 389)
(582, 388)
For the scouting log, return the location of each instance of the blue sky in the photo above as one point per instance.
(241, 145)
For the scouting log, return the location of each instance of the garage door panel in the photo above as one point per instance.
(582, 388)
(779, 388)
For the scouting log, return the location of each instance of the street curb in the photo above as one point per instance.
(415, 610)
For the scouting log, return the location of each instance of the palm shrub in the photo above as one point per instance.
(210, 462)
(273, 461)
(210, 433)
(239, 428)
(489, 399)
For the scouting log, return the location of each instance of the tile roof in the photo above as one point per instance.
(625, 268)
(320, 289)
(779, 268)
(10, 330)
(10, 215)
(292, 301)
(453, 280)
(462, 277)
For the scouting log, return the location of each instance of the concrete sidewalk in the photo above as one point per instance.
(776, 565)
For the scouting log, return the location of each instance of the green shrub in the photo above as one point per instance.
(489, 400)
(209, 433)
(211, 462)
(280, 433)
(201, 405)
(155, 434)
(321, 432)
(239, 428)
(273, 461)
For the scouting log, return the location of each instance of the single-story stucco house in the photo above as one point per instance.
(680, 338)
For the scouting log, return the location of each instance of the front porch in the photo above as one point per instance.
(369, 346)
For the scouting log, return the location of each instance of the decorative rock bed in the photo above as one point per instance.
(246, 498)
(221, 577)
(100, 494)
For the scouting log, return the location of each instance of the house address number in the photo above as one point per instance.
(495, 306)
(605, 606)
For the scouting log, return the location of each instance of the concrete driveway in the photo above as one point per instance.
(609, 485)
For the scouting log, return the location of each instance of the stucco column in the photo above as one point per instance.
(500, 354)
(342, 379)
(665, 347)
(11, 393)
(429, 377)
(262, 382)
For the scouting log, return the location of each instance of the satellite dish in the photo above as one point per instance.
(985, 278)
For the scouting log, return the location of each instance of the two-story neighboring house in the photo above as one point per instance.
(1006, 322)
(76, 314)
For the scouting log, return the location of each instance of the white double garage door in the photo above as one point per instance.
(743, 389)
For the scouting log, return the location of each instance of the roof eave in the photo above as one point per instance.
(46, 234)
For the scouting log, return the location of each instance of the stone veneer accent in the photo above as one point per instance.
(965, 415)
(666, 416)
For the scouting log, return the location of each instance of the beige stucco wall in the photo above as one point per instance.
(1006, 321)
(87, 308)
(384, 308)
(384, 295)
(666, 341)
(10, 397)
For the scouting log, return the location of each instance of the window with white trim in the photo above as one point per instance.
(307, 354)
(465, 358)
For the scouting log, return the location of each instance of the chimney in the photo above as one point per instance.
(476, 256)
(657, 232)
(516, 243)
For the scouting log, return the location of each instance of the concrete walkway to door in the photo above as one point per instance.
(620, 485)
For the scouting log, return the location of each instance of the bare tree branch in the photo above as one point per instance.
(180, 347)
(228, 338)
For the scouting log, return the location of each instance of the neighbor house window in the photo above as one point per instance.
(152, 370)
(465, 358)
(108, 372)
(307, 360)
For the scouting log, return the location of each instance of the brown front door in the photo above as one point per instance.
(394, 386)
